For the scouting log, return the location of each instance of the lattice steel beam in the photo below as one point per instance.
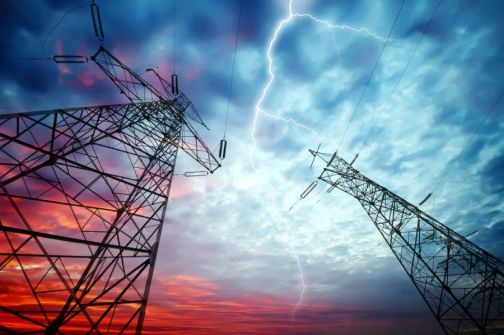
(462, 284)
(83, 194)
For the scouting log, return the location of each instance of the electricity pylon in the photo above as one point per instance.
(83, 196)
(462, 284)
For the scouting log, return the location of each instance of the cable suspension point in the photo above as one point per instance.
(222, 149)
(354, 159)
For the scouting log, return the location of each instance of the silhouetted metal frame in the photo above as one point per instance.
(462, 284)
(59, 154)
(149, 131)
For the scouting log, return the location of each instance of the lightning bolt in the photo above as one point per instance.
(259, 111)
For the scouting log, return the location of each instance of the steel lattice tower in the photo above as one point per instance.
(462, 284)
(83, 196)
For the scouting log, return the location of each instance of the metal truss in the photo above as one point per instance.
(83, 196)
(136, 89)
(462, 284)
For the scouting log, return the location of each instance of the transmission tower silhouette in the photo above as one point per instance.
(462, 284)
(83, 196)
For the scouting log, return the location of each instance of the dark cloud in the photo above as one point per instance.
(491, 238)
(493, 175)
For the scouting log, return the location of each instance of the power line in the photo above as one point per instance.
(322, 292)
(233, 68)
(237, 259)
(231, 266)
(400, 78)
(273, 226)
(140, 197)
(42, 46)
(398, 217)
(371, 75)
(174, 41)
(44, 41)
(25, 59)
(223, 142)
(469, 141)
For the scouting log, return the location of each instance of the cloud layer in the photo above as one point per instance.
(228, 261)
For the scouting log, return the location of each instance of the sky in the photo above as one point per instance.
(233, 257)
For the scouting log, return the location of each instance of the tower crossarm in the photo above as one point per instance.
(134, 87)
(190, 111)
(462, 284)
(137, 90)
(180, 99)
(60, 134)
(194, 146)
